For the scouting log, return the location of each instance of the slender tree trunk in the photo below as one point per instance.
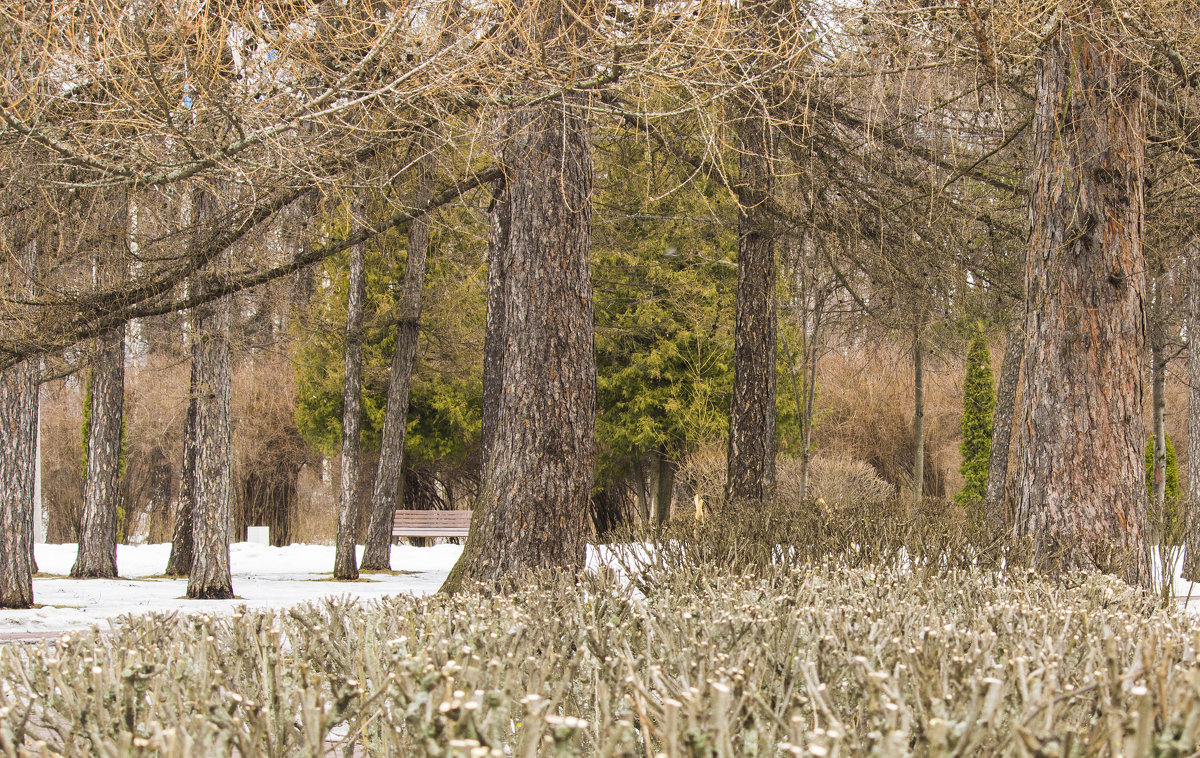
(18, 441)
(533, 510)
(180, 562)
(494, 335)
(209, 578)
(664, 488)
(1081, 495)
(810, 396)
(97, 557)
(386, 493)
(1191, 514)
(345, 563)
(1158, 404)
(918, 472)
(751, 471)
(996, 497)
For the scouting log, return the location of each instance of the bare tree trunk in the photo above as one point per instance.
(209, 578)
(1191, 506)
(664, 489)
(345, 562)
(386, 492)
(180, 562)
(918, 472)
(533, 510)
(810, 396)
(751, 470)
(494, 336)
(97, 557)
(996, 496)
(1158, 405)
(1081, 495)
(18, 441)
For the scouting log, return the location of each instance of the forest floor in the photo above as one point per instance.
(263, 577)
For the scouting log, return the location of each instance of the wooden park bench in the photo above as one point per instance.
(431, 523)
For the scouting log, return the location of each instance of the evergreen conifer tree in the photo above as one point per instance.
(979, 400)
(1168, 518)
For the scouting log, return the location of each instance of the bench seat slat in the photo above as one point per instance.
(413, 523)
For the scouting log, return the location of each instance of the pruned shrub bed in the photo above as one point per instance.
(815, 660)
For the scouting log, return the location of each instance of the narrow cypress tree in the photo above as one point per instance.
(979, 400)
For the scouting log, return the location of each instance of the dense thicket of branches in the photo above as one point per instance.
(878, 153)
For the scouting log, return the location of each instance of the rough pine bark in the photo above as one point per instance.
(996, 497)
(345, 562)
(1191, 510)
(18, 442)
(494, 335)
(386, 492)
(209, 578)
(1081, 495)
(751, 465)
(180, 562)
(532, 512)
(97, 557)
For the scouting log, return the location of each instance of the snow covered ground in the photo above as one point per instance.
(263, 577)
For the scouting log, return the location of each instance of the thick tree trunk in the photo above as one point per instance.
(494, 333)
(18, 441)
(209, 578)
(180, 562)
(918, 472)
(996, 498)
(97, 557)
(751, 471)
(1081, 494)
(386, 492)
(533, 509)
(345, 562)
(1191, 506)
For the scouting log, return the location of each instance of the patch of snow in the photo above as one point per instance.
(263, 577)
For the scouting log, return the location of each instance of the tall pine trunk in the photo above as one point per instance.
(345, 562)
(18, 442)
(918, 470)
(180, 562)
(386, 492)
(1081, 495)
(1158, 406)
(97, 557)
(209, 578)
(751, 469)
(532, 512)
(1191, 506)
(996, 498)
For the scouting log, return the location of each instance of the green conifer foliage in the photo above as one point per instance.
(979, 401)
(1168, 518)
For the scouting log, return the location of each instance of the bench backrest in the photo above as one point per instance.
(408, 523)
